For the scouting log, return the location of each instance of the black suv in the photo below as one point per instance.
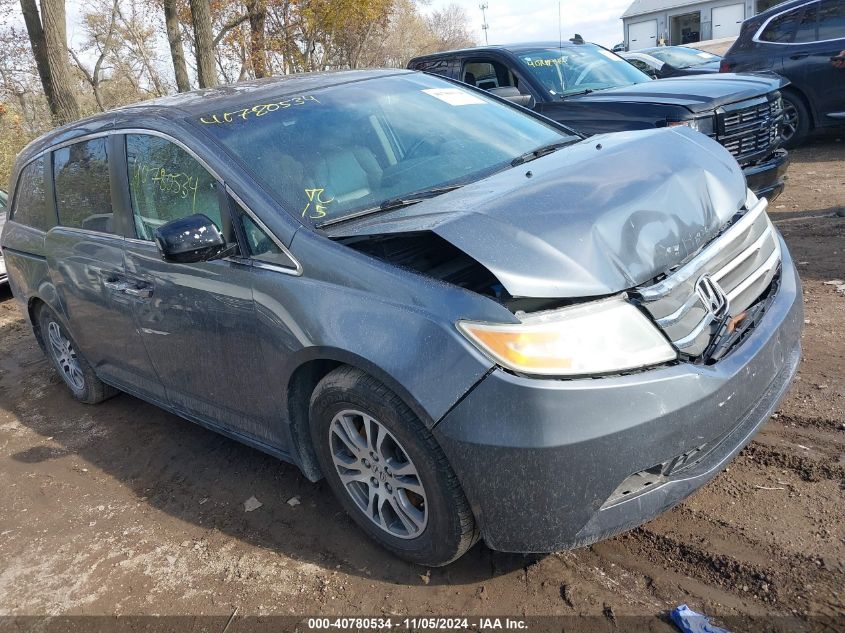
(593, 90)
(805, 42)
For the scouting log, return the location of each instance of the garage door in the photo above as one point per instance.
(728, 20)
(642, 35)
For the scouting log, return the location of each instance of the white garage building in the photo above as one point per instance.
(652, 22)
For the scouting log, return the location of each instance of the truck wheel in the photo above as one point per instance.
(69, 363)
(796, 120)
(387, 470)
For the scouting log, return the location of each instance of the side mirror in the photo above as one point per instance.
(513, 95)
(189, 240)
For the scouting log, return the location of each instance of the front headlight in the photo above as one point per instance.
(703, 124)
(599, 337)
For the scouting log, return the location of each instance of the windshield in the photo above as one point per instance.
(681, 56)
(330, 153)
(2, 200)
(582, 68)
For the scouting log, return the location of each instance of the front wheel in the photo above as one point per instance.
(387, 470)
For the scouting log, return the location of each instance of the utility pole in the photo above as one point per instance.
(484, 6)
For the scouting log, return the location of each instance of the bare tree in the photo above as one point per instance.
(138, 39)
(39, 46)
(450, 28)
(204, 43)
(257, 12)
(48, 38)
(177, 51)
(103, 44)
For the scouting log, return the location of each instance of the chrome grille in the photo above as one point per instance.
(751, 127)
(743, 261)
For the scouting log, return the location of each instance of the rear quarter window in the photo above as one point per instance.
(31, 207)
(436, 66)
(781, 29)
(83, 186)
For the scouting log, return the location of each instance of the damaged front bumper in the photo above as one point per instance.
(555, 464)
(767, 178)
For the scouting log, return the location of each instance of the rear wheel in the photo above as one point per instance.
(74, 370)
(387, 470)
(796, 120)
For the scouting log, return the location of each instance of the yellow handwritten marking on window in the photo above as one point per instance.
(178, 184)
(258, 110)
(536, 63)
(316, 207)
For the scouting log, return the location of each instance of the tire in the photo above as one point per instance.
(797, 120)
(75, 371)
(433, 528)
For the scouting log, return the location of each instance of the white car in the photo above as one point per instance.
(661, 62)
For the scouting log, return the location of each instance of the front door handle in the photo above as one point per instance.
(798, 56)
(144, 292)
(138, 290)
(115, 285)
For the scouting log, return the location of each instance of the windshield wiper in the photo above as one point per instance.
(586, 91)
(393, 203)
(534, 154)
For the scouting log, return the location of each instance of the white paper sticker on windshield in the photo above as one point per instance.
(454, 96)
(610, 55)
(706, 55)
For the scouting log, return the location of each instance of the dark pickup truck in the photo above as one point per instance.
(594, 91)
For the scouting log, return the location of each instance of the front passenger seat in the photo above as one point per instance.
(347, 173)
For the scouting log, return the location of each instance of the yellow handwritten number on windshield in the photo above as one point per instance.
(316, 207)
(258, 110)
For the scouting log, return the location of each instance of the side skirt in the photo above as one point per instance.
(211, 426)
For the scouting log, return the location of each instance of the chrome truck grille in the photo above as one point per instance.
(749, 128)
(697, 302)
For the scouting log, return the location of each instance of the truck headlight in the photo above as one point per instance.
(598, 337)
(704, 124)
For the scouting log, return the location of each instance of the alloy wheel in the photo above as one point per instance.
(65, 357)
(790, 122)
(378, 474)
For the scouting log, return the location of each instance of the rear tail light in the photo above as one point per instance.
(724, 66)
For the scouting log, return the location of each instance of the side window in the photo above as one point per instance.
(641, 65)
(261, 246)
(807, 30)
(782, 28)
(83, 187)
(436, 66)
(831, 20)
(166, 183)
(31, 206)
(488, 75)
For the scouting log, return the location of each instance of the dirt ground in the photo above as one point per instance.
(122, 508)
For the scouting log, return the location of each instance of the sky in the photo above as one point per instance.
(532, 20)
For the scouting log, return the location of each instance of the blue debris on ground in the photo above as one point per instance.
(691, 622)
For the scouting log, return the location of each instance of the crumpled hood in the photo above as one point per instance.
(587, 221)
(698, 93)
